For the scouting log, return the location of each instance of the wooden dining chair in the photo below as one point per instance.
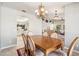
(54, 35)
(22, 51)
(73, 44)
(29, 49)
(45, 34)
(48, 33)
(32, 47)
(70, 50)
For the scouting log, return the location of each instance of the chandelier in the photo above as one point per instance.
(41, 12)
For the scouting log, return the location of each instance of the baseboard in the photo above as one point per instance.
(7, 47)
(73, 50)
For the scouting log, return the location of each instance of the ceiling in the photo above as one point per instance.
(30, 7)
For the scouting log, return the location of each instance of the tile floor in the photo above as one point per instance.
(12, 52)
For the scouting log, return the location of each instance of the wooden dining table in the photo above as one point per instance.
(46, 44)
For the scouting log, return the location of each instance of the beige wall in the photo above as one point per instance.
(8, 27)
(0, 24)
(71, 23)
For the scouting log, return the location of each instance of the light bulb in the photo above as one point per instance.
(36, 11)
(42, 9)
(46, 11)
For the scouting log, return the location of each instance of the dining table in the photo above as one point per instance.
(47, 44)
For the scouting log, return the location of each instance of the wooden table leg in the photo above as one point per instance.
(45, 54)
(62, 47)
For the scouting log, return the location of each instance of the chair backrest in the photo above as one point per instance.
(73, 44)
(54, 35)
(24, 40)
(45, 34)
(31, 45)
(22, 51)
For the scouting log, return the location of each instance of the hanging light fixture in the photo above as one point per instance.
(41, 12)
(56, 17)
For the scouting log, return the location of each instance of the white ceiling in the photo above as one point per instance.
(30, 7)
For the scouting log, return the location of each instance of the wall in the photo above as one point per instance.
(71, 23)
(35, 24)
(8, 27)
(0, 24)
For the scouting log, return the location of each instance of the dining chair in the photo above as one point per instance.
(61, 36)
(29, 49)
(22, 51)
(54, 35)
(32, 47)
(70, 50)
(48, 33)
(45, 34)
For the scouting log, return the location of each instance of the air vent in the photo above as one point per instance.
(23, 11)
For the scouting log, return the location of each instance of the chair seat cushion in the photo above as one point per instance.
(21, 52)
(57, 53)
